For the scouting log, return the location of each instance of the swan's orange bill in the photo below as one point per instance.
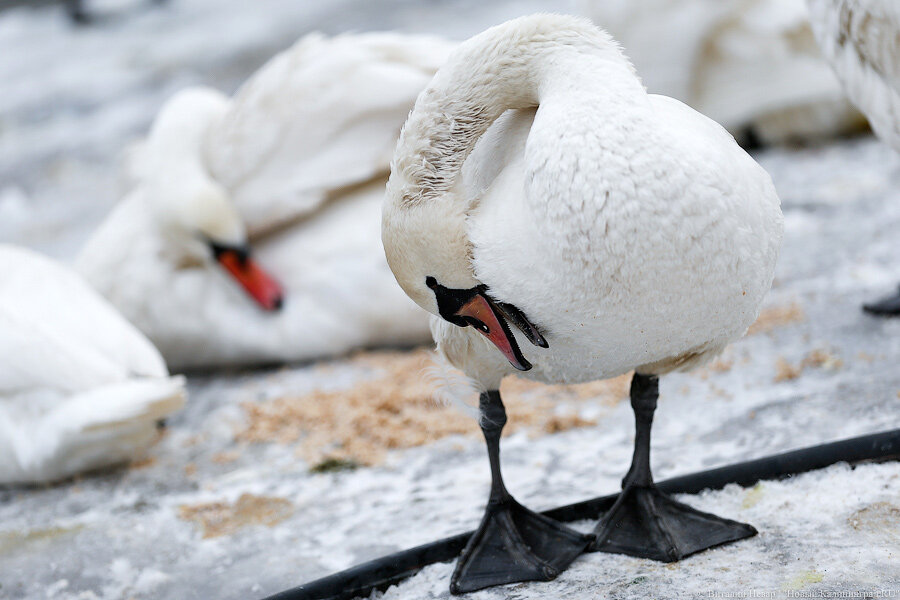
(261, 286)
(481, 315)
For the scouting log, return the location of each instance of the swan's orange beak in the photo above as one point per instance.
(479, 313)
(261, 286)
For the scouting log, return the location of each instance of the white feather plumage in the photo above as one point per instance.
(861, 40)
(631, 229)
(747, 64)
(80, 387)
(302, 153)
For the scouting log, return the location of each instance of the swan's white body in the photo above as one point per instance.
(80, 387)
(743, 63)
(630, 229)
(302, 153)
(861, 40)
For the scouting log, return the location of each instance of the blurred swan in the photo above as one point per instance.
(861, 40)
(80, 388)
(751, 65)
(294, 165)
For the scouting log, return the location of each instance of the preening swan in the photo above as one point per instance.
(296, 165)
(861, 40)
(558, 220)
(80, 388)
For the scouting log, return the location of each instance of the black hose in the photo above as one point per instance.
(381, 573)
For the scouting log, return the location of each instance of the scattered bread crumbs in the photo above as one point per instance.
(226, 456)
(753, 496)
(882, 517)
(220, 518)
(776, 316)
(142, 463)
(398, 409)
(820, 359)
(720, 392)
(823, 359)
(190, 469)
(785, 371)
(721, 365)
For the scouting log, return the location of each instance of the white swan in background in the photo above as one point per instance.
(80, 387)
(751, 65)
(295, 165)
(558, 220)
(861, 41)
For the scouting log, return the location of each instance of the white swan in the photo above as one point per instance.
(80, 388)
(751, 65)
(592, 230)
(861, 40)
(295, 165)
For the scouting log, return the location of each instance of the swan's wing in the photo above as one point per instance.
(320, 116)
(99, 427)
(861, 40)
(59, 334)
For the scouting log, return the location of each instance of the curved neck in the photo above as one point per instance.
(514, 65)
(520, 64)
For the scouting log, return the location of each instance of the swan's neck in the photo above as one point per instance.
(519, 64)
(515, 65)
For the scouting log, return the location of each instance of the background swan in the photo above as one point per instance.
(559, 221)
(80, 387)
(861, 41)
(753, 66)
(300, 156)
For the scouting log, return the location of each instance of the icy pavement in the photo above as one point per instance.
(816, 370)
(209, 517)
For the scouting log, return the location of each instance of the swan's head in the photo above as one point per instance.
(429, 253)
(194, 213)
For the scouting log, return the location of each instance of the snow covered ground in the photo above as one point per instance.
(208, 516)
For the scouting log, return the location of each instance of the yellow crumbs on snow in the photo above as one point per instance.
(753, 496)
(785, 371)
(220, 518)
(777, 316)
(819, 359)
(397, 409)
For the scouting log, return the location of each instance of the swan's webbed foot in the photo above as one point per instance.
(646, 523)
(514, 544)
(888, 306)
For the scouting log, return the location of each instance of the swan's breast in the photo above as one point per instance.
(628, 241)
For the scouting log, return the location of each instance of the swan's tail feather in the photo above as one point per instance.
(99, 428)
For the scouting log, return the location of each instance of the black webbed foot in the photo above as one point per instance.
(514, 544)
(646, 523)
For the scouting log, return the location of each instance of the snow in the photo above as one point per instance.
(118, 534)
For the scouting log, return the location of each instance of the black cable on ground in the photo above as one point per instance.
(381, 573)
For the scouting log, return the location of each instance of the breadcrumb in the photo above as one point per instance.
(397, 409)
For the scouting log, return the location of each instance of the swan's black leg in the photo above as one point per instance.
(512, 543)
(888, 306)
(646, 523)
